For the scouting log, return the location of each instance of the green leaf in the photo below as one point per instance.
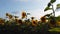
(58, 5)
(52, 1)
(47, 8)
(28, 13)
(49, 4)
(48, 14)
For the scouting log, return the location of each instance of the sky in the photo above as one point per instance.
(34, 7)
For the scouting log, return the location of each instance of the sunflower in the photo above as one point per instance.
(58, 23)
(2, 21)
(32, 18)
(34, 23)
(43, 19)
(7, 14)
(20, 21)
(10, 16)
(23, 14)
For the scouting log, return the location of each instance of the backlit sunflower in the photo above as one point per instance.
(34, 23)
(23, 14)
(43, 19)
(2, 21)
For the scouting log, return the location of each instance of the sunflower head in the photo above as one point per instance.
(7, 14)
(43, 19)
(23, 14)
(32, 18)
(1, 21)
(34, 23)
(10, 16)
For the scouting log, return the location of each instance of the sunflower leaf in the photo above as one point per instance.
(47, 8)
(52, 1)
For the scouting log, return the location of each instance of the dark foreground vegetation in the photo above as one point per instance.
(24, 29)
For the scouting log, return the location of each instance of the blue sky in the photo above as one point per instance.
(34, 7)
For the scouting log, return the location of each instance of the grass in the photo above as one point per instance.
(54, 30)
